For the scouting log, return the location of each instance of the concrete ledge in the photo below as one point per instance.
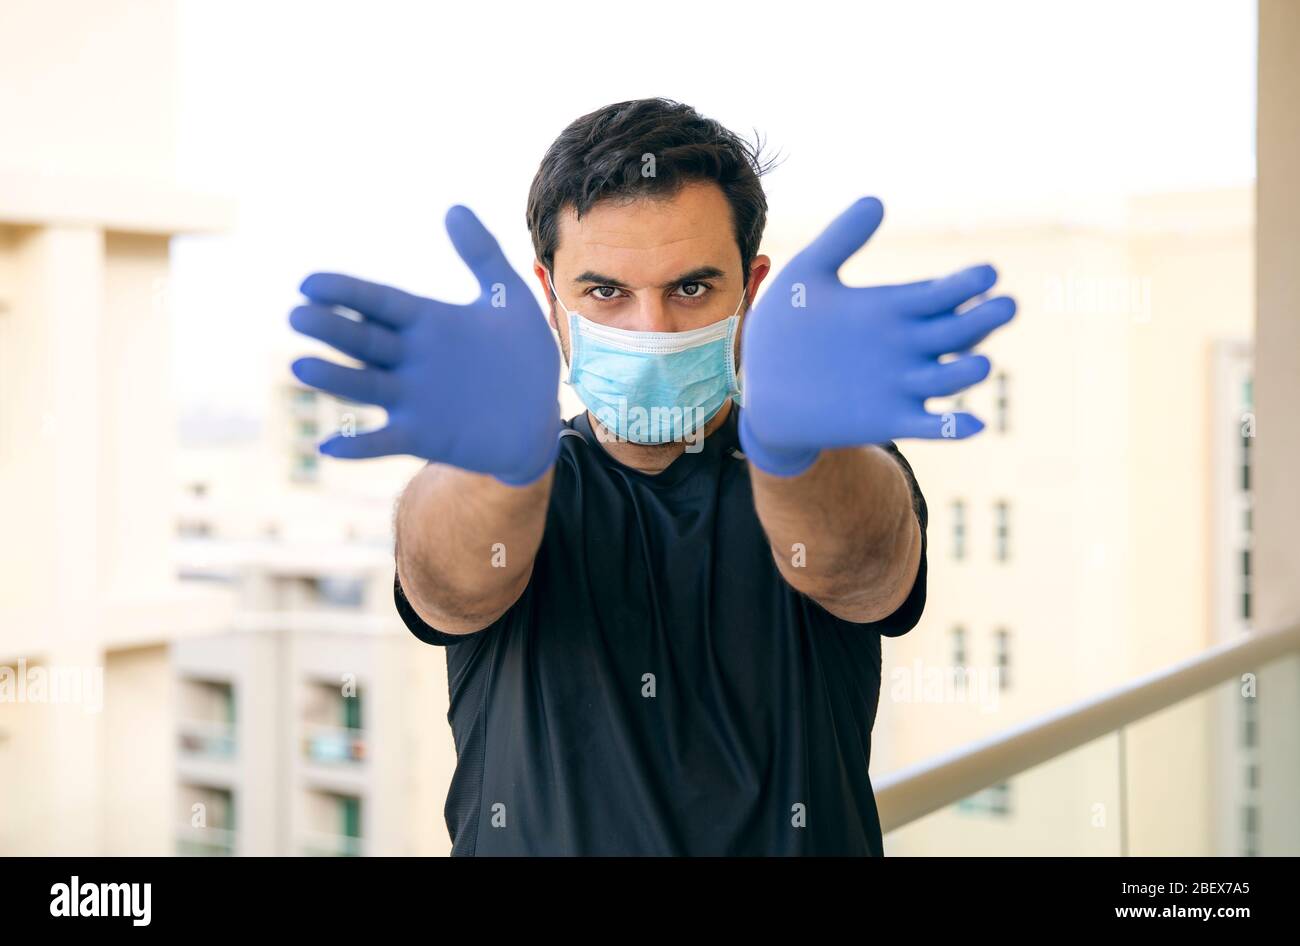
(34, 199)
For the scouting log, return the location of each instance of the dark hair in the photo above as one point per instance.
(602, 155)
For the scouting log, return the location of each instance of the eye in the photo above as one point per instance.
(598, 292)
(694, 290)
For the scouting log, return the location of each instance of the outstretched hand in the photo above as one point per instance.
(828, 365)
(474, 386)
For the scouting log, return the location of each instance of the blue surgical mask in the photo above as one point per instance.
(653, 387)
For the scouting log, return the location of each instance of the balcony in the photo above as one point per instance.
(333, 744)
(330, 845)
(1219, 725)
(213, 740)
(204, 842)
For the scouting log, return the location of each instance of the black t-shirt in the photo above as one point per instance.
(659, 688)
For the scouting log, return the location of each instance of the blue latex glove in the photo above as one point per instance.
(828, 365)
(474, 386)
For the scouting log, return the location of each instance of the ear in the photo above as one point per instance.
(540, 272)
(758, 271)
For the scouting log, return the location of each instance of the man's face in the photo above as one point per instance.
(655, 264)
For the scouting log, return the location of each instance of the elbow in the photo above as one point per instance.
(863, 592)
(458, 611)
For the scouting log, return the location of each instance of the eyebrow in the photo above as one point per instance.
(694, 275)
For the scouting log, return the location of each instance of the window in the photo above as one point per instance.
(1250, 830)
(958, 529)
(1245, 584)
(193, 528)
(350, 820)
(303, 433)
(1002, 540)
(339, 592)
(1249, 724)
(305, 467)
(206, 825)
(1002, 403)
(1002, 649)
(333, 824)
(206, 719)
(994, 800)
(352, 711)
(1245, 463)
(959, 656)
(332, 718)
(959, 646)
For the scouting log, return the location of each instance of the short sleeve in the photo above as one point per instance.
(908, 614)
(417, 626)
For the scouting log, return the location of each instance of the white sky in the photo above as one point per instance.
(345, 130)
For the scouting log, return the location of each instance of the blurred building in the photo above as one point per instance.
(89, 599)
(312, 723)
(248, 688)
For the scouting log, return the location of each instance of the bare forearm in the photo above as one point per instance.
(466, 544)
(844, 532)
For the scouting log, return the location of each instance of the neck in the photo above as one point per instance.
(650, 458)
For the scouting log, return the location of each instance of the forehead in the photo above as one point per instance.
(649, 239)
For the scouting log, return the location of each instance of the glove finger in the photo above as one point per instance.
(481, 252)
(948, 426)
(366, 385)
(946, 294)
(939, 380)
(393, 307)
(846, 234)
(366, 341)
(385, 442)
(955, 333)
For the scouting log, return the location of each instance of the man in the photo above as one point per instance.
(662, 618)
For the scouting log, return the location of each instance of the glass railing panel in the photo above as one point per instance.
(1070, 805)
(1219, 774)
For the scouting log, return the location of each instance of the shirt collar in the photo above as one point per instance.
(723, 442)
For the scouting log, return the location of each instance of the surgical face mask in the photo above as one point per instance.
(653, 387)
